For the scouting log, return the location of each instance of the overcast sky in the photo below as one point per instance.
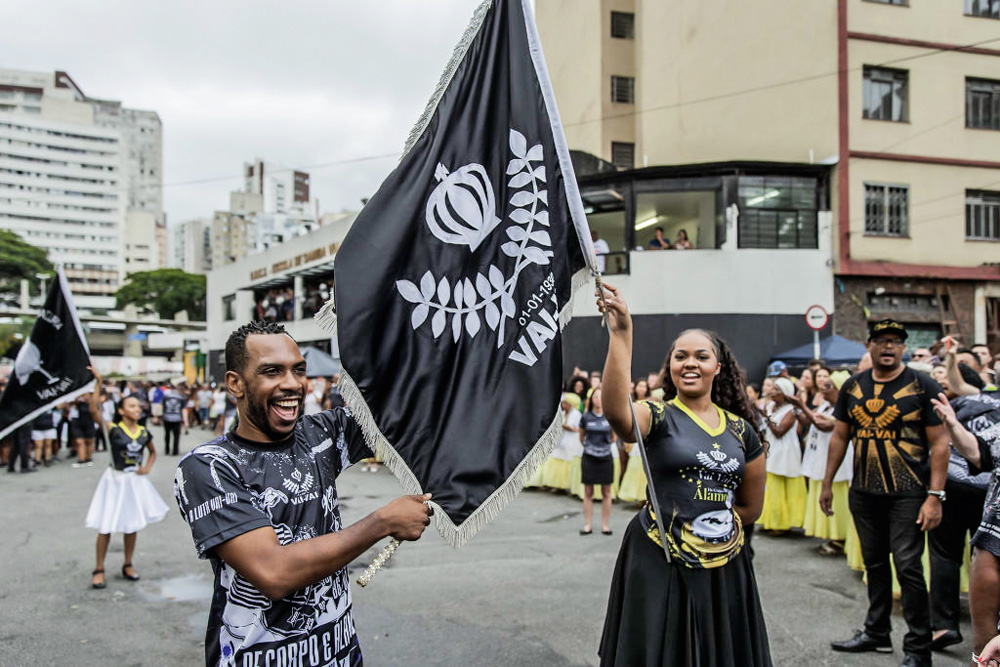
(298, 84)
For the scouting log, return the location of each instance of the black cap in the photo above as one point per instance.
(886, 326)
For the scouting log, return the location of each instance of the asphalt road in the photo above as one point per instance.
(528, 590)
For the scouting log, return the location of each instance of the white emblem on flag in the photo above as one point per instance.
(29, 360)
(461, 211)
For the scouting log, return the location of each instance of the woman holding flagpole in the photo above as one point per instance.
(700, 606)
(125, 500)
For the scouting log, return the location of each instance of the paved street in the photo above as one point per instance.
(528, 590)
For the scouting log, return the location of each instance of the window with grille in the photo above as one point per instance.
(887, 210)
(982, 215)
(885, 94)
(623, 25)
(982, 104)
(623, 89)
(986, 8)
(778, 212)
(623, 154)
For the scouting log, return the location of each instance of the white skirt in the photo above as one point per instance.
(124, 502)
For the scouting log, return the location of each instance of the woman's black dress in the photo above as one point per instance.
(701, 608)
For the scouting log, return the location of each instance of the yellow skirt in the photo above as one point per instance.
(556, 474)
(633, 489)
(852, 548)
(820, 525)
(784, 503)
(576, 474)
(536, 478)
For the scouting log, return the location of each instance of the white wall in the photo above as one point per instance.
(725, 281)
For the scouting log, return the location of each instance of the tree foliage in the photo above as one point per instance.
(20, 260)
(165, 292)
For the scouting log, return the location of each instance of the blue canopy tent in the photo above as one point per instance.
(319, 363)
(834, 350)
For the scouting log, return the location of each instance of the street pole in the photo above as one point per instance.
(815, 343)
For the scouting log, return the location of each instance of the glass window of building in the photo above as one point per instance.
(623, 89)
(605, 209)
(623, 154)
(887, 210)
(982, 104)
(623, 25)
(778, 212)
(885, 94)
(982, 215)
(985, 8)
(675, 220)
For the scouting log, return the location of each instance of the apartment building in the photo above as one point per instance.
(60, 189)
(53, 106)
(880, 116)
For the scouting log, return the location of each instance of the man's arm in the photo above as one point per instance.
(930, 511)
(277, 571)
(965, 443)
(956, 383)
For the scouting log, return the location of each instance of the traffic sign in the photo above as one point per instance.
(817, 317)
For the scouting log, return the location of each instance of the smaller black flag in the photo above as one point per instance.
(51, 367)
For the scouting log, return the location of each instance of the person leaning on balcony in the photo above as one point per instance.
(682, 242)
(896, 496)
(659, 241)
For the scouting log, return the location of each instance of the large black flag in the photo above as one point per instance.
(51, 367)
(454, 282)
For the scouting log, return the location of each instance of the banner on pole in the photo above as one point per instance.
(51, 367)
(454, 283)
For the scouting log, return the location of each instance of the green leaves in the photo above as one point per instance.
(166, 292)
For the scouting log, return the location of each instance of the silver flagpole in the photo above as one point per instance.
(598, 279)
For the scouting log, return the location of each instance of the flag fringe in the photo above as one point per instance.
(457, 56)
(454, 535)
(326, 317)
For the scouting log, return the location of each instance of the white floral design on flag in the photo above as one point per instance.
(461, 211)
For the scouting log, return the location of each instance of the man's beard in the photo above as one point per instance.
(257, 415)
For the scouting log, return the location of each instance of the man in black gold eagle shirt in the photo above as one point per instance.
(900, 467)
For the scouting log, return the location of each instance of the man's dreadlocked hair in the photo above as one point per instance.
(729, 390)
(236, 346)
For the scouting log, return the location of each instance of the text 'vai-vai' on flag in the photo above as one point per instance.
(454, 283)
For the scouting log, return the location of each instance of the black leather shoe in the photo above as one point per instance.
(949, 638)
(914, 661)
(862, 642)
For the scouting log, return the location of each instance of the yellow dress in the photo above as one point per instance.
(784, 503)
(633, 487)
(820, 525)
(556, 473)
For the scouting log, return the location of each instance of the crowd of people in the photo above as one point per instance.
(869, 460)
(882, 463)
(69, 432)
(277, 305)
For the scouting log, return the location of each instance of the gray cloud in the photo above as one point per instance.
(298, 84)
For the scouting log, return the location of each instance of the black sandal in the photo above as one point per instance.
(132, 577)
(103, 584)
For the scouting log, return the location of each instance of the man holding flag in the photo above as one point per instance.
(458, 274)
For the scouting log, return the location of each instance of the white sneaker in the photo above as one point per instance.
(79, 465)
(89, 463)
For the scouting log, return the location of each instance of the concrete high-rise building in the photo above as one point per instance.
(191, 245)
(274, 207)
(61, 190)
(893, 99)
(53, 104)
